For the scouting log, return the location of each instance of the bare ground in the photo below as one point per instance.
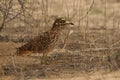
(60, 65)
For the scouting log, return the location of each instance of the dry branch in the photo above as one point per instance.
(6, 10)
(89, 9)
(101, 49)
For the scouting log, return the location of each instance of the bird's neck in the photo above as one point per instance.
(56, 29)
(56, 32)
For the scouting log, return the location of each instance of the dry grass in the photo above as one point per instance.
(91, 50)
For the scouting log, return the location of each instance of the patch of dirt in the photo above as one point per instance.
(57, 65)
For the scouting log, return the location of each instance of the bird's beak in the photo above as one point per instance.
(69, 23)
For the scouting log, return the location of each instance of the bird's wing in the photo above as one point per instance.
(39, 42)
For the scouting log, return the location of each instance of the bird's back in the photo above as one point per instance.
(41, 43)
(45, 43)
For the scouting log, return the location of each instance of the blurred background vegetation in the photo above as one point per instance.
(96, 33)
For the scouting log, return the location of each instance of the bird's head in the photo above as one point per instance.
(61, 22)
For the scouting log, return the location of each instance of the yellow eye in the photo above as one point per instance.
(62, 21)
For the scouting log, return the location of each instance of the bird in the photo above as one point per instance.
(45, 42)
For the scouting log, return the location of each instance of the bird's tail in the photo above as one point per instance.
(20, 52)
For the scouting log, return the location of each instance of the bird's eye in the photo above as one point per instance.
(62, 21)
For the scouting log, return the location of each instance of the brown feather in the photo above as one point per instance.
(43, 43)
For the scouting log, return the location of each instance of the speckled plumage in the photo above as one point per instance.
(45, 42)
